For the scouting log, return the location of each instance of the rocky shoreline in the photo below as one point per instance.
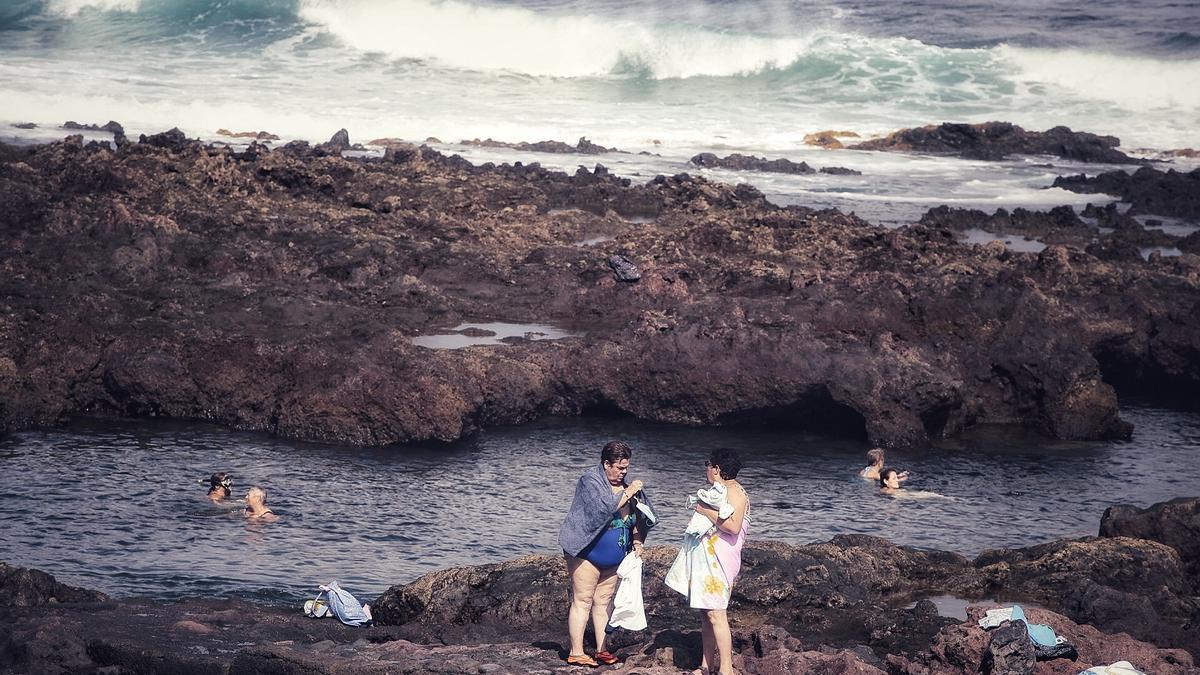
(280, 290)
(843, 606)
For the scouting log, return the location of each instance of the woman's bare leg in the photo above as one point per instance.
(602, 604)
(719, 621)
(708, 643)
(583, 576)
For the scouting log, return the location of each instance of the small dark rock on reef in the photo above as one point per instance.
(738, 162)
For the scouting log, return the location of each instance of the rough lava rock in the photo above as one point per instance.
(22, 587)
(1149, 191)
(582, 147)
(1175, 523)
(279, 290)
(738, 162)
(1009, 651)
(998, 140)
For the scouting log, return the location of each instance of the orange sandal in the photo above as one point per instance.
(606, 658)
(582, 660)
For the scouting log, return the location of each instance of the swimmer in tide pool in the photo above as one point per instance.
(875, 459)
(889, 485)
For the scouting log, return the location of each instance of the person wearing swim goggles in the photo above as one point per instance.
(220, 486)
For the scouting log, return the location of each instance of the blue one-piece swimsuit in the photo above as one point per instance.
(609, 549)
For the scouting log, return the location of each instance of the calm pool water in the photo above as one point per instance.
(117, 506)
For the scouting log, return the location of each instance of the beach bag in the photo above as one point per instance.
(628, 611)
(346, 607)
(1041, 634)
(317, 608)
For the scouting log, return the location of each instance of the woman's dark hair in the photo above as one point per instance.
(727, 461)
(615, 451)
(883, 475)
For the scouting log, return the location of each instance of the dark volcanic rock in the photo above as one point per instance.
(623, 268)
(25, 125)
(840, 171)
(1150, 191)
(961, 648)
(1117, 584)
(750, 162)
(583, 147)
(276, 290)
(1111, 249)
(739, 162)
(1175, 523)
(254, 135)
(336, 145)
(1190, 243)
(21, 587)
(997, 140)
(1059, 225)
(1009, 652)
(112, 127)
(173, 139)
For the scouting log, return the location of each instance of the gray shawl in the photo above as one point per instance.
(592, 509)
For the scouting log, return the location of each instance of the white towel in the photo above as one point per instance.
(715, 496)
(1118, 668)
(995, 617)
(628, 611)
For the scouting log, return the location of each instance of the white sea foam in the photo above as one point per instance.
(70, 8)
(475, 37)
(1132, 82)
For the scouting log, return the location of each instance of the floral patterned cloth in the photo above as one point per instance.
(706, 567)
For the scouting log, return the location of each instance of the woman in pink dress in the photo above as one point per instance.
(707, 565)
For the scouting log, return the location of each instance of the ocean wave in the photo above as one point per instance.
(484, 38)
(71, 8)
(1131, 82)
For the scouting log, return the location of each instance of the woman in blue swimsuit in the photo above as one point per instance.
(602, 527)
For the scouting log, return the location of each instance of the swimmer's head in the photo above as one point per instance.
(888, 478)
(220, 481)
(875, 456)
(256, 494)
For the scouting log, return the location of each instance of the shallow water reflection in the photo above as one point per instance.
(1013, 242)
(494, 333)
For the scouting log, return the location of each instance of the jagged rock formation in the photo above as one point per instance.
(998, 140)
(738, 162)
(278, 290)
(1149, 191)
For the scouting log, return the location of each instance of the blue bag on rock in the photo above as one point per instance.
(346, 607)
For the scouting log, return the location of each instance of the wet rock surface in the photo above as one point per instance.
(1175, 523)
(279, 290)
(582, 147)
(835, 607)
(999, 140)
(1058, 225)
(738, 162)
(22, 587)
(1147, 190)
